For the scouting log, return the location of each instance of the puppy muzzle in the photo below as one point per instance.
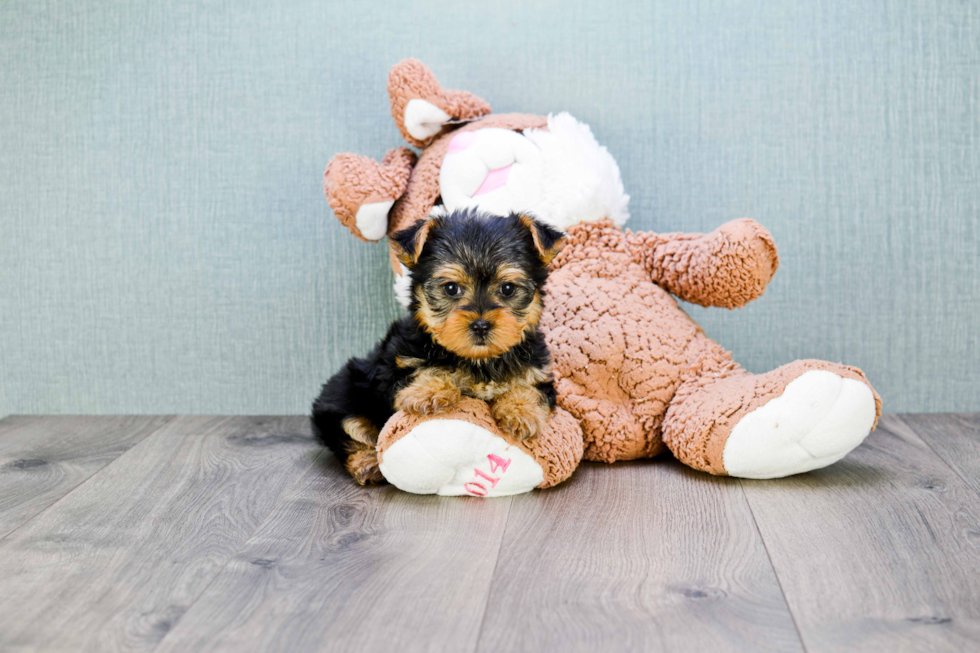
(480, 329)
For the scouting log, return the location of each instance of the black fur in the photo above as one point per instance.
(367, 386)
(479, 240)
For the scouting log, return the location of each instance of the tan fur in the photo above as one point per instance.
(362, 464)
(489, 391)
(408, 361)
(521, 411)
(507, 331)
(451, 272)
(432, 391)
(454, 334)
(453, 330)
(547, 254)
(361, 429)
(410, 258)
(533, 316)
(510, 274)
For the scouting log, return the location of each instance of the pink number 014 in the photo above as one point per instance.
(476, 488)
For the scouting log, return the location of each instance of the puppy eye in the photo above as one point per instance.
(508, 289)
(452, 289)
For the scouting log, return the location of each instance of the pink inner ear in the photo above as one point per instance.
(494, 180)
(461, 141)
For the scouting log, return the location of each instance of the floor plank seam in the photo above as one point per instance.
(956, 472)
(168, 418)
(493, 576)
(779, 582)
(244, 543)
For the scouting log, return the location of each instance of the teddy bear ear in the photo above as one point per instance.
(547, 240)
(361, 191)
(408, 243)
(421, 108)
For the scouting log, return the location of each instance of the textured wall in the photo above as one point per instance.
(165, 245)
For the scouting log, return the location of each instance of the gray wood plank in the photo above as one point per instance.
(954, 437)
(114, 565)
(645, 556)
(339, 567)
(879, 552)
(44, 458)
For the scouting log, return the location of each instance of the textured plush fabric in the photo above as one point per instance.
(635, 374)
(165, 246)
(410, 79)
(707, 406)
(629, 364)
(632, 366)
(423, 186)
(351, 181)
(619, 343)
(710, 269)
(558, 449)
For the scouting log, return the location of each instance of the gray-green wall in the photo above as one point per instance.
(165, 245)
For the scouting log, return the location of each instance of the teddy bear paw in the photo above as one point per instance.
(817, 420)
(452, 457)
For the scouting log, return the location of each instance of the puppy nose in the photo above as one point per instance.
(480, 327)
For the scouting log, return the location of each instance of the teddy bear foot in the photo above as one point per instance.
(452, 457)
(817, 420)
(465, 453)
(797, 418)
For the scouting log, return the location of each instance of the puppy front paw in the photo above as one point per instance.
(430, 398)
(520, 418)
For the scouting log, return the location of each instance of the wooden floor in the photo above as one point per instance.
(240, 534)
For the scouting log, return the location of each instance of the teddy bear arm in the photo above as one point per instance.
(361, 191)
(728, 267)
(421, 108)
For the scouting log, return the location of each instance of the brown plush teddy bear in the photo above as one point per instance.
(634, 374)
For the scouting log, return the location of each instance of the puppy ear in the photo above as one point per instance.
(408, 243)
(547, 240)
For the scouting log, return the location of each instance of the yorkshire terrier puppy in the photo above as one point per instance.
(472, 329)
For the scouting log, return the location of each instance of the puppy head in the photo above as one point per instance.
(477, 279)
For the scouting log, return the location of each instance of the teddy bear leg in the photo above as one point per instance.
(797, 418)
(464, 453)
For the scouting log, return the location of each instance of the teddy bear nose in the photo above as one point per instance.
(480, 328)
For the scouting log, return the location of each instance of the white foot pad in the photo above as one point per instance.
(372, 219)
(453, 457)
(819, 419)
